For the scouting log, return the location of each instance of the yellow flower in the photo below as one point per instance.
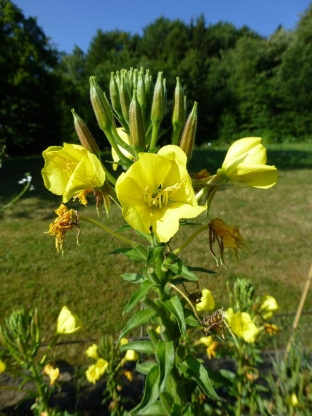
(207, 302)
(206, 341)
(66, 220)
(53, 373)
(292, 400)
(95, 371)
(2, 366)
(70, 170)
(131, 355)
(123, 135)
(123, 341)
(92, 352)
(242, 325)
(211, 350)
(268, 306)
(245, 164)
(67, 322)
(156, 192)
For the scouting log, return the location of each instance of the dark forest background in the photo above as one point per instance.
(245, 84)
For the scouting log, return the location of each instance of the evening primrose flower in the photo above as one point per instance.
(124, 136)
(206, 303)
(245, 165)
(95, 371)
(70, 170)
(156, 192)
(242, 325)
(131, 355)
(52, 372)
(67, 322)
(268, 306)
(92, 352)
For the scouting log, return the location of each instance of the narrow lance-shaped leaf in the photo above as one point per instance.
(165, 358)
(139, 294)
(140, 318)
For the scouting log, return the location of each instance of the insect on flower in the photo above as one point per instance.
(214, 323)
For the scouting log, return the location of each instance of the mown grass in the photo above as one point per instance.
(276, 224)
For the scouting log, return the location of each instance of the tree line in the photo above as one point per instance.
(245, 84)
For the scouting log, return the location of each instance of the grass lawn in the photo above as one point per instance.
(276, 224)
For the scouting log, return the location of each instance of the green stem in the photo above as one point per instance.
(238, 409)
(187, 299)
(41, 393)
(108, 230)
(109, 176)
(190, 239)
(114, 145)
(17, 197)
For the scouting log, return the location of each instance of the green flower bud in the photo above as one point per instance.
(141, 95)
(114, 94)
(178, 115)
(189, 133)
(137, 135)
(158, 108)
(101, 107)
(84, 135)
(124, 99)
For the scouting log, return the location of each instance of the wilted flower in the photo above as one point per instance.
(52, 372)
(245, 164)
(206, 303)
(67, 322)
(226, 236)
(66, 220)
(270, 329)
(211, 350)
(242, 325)
(95, 371)
(92, 351)
(156, 192)
(268, 306)
(71, 169)
(128, 375)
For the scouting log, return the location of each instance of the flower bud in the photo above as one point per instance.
(100, 105)
(84, 135)
(124, 99)
(159, 98)
(189, 133)
(137, 135)
(178, 115)
(141, 94)
(114, 94)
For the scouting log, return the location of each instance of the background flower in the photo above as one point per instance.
(67, 322)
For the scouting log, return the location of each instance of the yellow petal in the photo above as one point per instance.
(92, 351)
(238, 152)
(207, 302)
(258, 176)
(67, 322)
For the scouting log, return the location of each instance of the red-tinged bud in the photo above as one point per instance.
(101, 107)
(84, 135)
(137, 135)
(178, 115)
(189, 133)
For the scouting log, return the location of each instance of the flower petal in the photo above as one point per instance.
(258, 176)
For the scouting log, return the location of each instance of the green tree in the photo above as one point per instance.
(29, 115)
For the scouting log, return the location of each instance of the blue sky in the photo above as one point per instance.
(74, 22)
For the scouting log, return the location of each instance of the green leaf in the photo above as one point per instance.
(139, 294)
(137, 253)
(199, 373)
(145, 347)
(175, 307)
(133, 277)
(190, 319)
(148, 237)
(229, 375)
(153, 252)
(123, 228)
(180, 269)
(151, 391)
(155, 409)
(140, 318)
(145, 367)
(165, 358)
